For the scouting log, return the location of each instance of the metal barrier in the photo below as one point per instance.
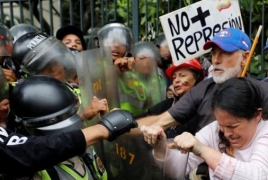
(141, 16)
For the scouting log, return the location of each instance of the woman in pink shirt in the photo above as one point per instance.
(234, 147)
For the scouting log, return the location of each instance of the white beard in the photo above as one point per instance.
(228, 72)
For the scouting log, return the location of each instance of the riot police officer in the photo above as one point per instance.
(23, 155)
(119, 39)
(93, 41)
(162, 45)
(45, 106)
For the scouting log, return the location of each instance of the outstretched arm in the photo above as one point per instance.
(165, 120)
(30, 154)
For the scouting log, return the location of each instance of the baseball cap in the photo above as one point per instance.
(230, 40)
(70, 29)
(192, 64)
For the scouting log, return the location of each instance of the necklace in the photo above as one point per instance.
(231, 151)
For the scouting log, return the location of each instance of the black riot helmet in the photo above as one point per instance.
(45, 105)
(19, 30)
(21, 47)
(37, 53)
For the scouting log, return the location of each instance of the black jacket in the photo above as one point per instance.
(23, 156)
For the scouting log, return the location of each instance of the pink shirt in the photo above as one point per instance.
(249, 162)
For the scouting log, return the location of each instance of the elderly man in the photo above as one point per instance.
(230, 50)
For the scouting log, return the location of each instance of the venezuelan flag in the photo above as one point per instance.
(223, 5)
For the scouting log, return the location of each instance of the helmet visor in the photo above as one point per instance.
(52, 58)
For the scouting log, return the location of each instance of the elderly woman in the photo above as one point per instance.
(234, 146)
(183, 77)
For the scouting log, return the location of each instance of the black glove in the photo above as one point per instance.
(118, 122)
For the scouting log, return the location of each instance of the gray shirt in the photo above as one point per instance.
(197, 102)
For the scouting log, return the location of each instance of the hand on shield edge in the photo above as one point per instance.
(186, 142)
(96, 106)
(156, 137)
(114, 109)
(118, 122)
(10, 75)
(124, 64)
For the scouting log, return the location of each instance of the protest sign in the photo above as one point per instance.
(187, 29)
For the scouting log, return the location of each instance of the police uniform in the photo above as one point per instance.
(23, 156)
(91, 163)
(132, 93)
(86, 167)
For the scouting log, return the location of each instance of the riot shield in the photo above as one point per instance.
(97, 77)
(140, 89)
(19, 30)
(4, 87)
(129, 156)
(175, 163)
(118, 38)
(149, 50)
(50, 57)
(93, 41)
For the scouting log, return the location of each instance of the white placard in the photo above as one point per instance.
(187, 29)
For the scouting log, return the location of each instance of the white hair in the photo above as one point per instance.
(228, 72)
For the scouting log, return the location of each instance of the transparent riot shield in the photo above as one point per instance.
(50, 57)
(118, 37)
(140, 89)
(175, 163)
(19, 30)
(129, 156)
(4, 87)
(138, 162)
(92, 39)
(97, 77)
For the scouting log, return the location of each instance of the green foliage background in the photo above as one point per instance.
(80, 13)
(253, 14)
